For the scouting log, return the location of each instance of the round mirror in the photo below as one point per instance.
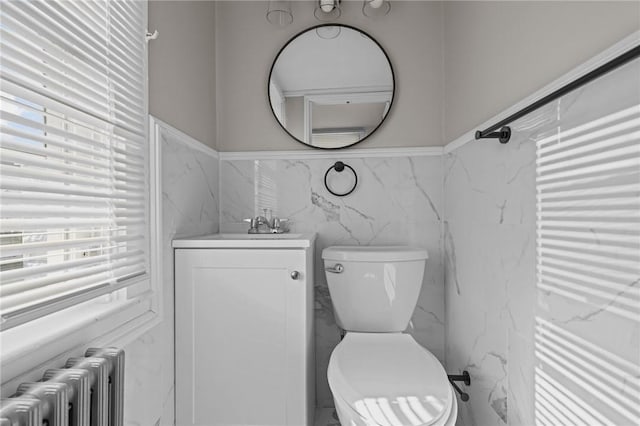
(331, 86)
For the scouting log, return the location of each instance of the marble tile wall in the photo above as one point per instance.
(189, 207)
(535, 357)
(398, 201)
(490, 264)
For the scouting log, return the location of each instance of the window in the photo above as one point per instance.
(74, 154)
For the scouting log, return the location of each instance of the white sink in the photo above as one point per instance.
(228, 240)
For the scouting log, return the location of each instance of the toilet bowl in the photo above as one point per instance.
(389, 379)
(378, 375)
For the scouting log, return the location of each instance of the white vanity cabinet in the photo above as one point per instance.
(244, 330)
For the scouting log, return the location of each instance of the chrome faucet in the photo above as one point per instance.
(265, 224)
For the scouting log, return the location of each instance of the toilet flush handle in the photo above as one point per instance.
(335, 269)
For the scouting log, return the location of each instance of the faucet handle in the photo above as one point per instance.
(253, 224)
(277, 227)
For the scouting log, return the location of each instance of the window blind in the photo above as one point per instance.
(588, 255)
(73, 153)
(588, 180)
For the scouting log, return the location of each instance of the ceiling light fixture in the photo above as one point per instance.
(327, 5)
(327, 10)
(375, 8)
(279, 13)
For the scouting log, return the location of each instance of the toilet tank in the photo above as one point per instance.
(374, 289)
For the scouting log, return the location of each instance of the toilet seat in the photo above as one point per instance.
(389, 379)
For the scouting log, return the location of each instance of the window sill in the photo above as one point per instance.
(27, 350)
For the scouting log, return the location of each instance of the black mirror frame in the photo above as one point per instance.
(393, 79)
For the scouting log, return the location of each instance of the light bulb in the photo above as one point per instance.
(375, 3)
(327, 5)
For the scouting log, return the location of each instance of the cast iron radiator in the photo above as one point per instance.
(87, 391)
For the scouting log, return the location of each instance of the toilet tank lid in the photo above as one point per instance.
(374, 253)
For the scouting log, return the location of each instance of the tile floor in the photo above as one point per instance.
(326, 417)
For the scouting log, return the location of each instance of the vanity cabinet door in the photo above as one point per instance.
(242, 344)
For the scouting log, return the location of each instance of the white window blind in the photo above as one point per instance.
(588, 260)
(73, 153)
(588, 180)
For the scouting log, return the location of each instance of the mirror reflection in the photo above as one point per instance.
(331, 86)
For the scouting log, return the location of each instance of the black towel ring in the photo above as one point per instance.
(339, 167)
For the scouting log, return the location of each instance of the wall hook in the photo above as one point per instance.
(152, 36)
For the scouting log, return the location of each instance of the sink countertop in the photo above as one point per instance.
(246, 241)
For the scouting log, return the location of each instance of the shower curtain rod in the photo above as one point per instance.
(502, 132)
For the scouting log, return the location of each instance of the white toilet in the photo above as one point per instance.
(380, 376)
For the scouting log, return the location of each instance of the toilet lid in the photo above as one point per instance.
(389, 379)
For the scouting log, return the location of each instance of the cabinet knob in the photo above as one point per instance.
(295, 275)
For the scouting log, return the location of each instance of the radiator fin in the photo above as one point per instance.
(54, 400)
(88, 391)
(24, 411)
(115, 357)
(77, 382)
(98, 369)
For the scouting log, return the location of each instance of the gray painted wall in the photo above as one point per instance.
(219, 54)
(497, 53)
(246, 45)
(182, 72)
